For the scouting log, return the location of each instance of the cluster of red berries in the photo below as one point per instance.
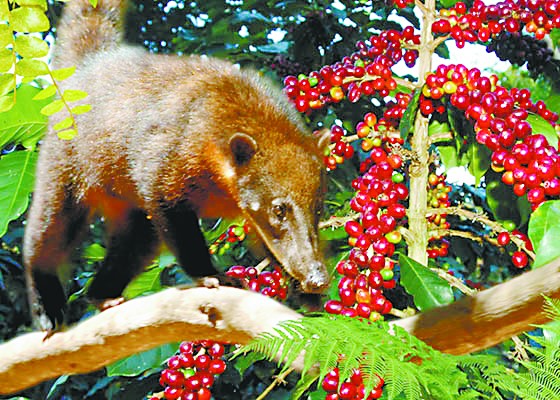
(234, 234)
(438, 197)
(526, 159)
(395, 109)
(518, 257)
(403, 3)
(190, 374)
(366, 72)
(482, 22)
(351, 389)
(270, 283)
(340, 150)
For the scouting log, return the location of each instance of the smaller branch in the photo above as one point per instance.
(441, 137)
(280, 379)
(453, 232)
(337, 222)
(454, 281)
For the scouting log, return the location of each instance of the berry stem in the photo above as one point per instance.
(420, 145)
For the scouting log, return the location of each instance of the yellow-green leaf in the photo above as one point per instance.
(6, 35)
(81, 109)
(30, 67)
(29, 19)
(52, 108)
(7, 83)
(65, 123)
(6, 102)
(45, 93)
(63, 73)
(33, 3)
(93, 3)
(33, 47)
(71, 95)
(6, 60)
(4, 11)
(67, 134)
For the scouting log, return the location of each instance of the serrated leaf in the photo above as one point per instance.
(6, 35)
(6, 103)
(45, 93)
(542, 126)
(65, 123)
(31, 68)
(427, 288)
(81, 109)
(63, 73)
(544, 232)
(71, 95)
(17, 176)
(52, 108)
(7, 83)
(30, 46)
(67, 134)
(138, 363)
(146, 282)
(407, 122)
(29, 19)
(24, 123)
(6, 60)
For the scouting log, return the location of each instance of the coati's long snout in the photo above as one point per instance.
(281, 192)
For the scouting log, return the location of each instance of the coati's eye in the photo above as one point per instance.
(279, 211)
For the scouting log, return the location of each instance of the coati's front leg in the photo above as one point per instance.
(133, 242)
(181, 232)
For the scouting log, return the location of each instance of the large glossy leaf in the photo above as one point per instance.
(24, 123)
(478, 160)
(426, 287)
(138, 363)
(544, 232)
(17, 175)
(542, 126)
(407, 122)
(146, 282)
(505, 205)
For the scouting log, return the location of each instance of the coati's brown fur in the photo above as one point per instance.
(169, 139)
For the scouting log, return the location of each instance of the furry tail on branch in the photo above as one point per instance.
(84, 30)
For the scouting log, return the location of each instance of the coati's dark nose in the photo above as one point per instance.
(317, 279)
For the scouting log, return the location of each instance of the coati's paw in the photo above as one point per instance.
(210, 282)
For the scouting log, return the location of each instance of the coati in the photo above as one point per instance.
(169, 140)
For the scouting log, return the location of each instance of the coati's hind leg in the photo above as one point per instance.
(181, 231)
(54, 226)
(133, 242)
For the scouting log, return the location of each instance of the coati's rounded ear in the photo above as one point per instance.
(324, 136)
(243, 147)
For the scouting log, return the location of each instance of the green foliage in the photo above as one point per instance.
(427, 288)
(142, 362)
(544, 232)
(411, 369)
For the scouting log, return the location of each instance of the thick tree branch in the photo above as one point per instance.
(235, 316)
(224, 314)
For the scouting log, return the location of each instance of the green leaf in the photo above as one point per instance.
(81, 109)
(542, 126)
(7, 83)
(71, 95)
(478, 160)
(52, 108)
(146, 282)
(24, 123)
(93, 3)
(6, 103)
(32, 68)
(427, 288)
(139, 363)
(42, 4)
(30, 46)
(94, 252)
(67, 134)
(505, 205)
(63, 73)
(17, 176)
(544, 232)
(6, 60)
(6, 35)
(448, 3)
(407, 122)
(4, 11)
(65, 123)
(45, 93)
(29, 19)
